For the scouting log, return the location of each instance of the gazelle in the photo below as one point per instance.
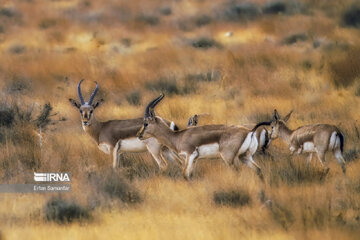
(261, 134)
(227, 142)
(116, 136)
(315, 138)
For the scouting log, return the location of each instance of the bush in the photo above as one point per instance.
(165, 85)
(19, 84)
(351, 17)
(344, 70)
(134, 98)
(17, 49)
(7, 117)
(241, 12)
(204, 43)
(209, 76)
(232, 198)
(7, 12)
(62, 211)
(47, 23)
(202, 20)
(300, 37)
(274, 8)
(166, 11)
(148, 19)
(115, 186)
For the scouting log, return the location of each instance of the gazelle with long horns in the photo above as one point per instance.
(228, 142)
(315, 138)
(115, 136)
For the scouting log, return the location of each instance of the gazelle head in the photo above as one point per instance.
(277, 123)
(151, 122)
(86, 108)
(193, 121)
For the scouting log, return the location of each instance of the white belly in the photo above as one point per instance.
(105, 148)
(308, 147)
(209, 150)
(132, 145)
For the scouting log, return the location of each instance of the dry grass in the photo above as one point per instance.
(231, 62)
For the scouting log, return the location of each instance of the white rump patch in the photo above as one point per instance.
(262, 138)
(132, 145)
(309, 147)
(209, 150)
(246, 144)
(254, 144)
(172, 126)
(105, 147)
(334, 141)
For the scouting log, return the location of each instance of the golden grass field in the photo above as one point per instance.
(233, 61)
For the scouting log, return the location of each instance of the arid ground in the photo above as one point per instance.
(233, 62)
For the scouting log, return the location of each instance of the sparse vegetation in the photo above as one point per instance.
(232, 62)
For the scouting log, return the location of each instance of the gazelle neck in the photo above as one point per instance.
(166, 136)
(93, 129)
(285, 133)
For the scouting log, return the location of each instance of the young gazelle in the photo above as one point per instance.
(116, 136)
(315, 138)
(228, 142)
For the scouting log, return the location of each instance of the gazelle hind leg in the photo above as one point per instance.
(190, 159)
(249, 161)
(340, 159)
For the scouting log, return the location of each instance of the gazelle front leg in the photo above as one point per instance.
(154, 148)
(321, 156)
(309, 158)
(190, 159)
(116, 157)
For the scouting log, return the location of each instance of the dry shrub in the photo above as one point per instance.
(112, 184)
(205, 43)
(344, 67)
(351, 16)
(63, 211)
(233, 198)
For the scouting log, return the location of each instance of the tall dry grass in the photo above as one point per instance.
(229, 61)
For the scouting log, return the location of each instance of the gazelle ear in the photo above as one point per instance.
(75, 103)
(98, 103)
(276, 116)
(286, 118)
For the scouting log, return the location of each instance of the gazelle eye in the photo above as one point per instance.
(81, 111)
(91, 111)
(146, 124)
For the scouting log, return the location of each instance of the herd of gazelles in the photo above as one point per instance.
(161, 137)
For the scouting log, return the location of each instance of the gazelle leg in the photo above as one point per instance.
(189, 163)
(249, 161)
(154, 150)
(340, 159)
(228, 158)
(309, 158)
(321, 157)
(115, 152)
(168, 154)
